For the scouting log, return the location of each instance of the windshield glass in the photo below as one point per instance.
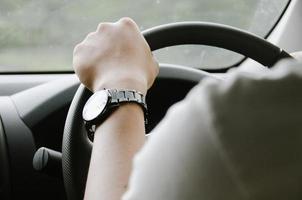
(40, 35)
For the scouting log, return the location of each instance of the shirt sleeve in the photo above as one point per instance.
(234, 139)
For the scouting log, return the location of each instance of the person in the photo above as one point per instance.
(238, 138)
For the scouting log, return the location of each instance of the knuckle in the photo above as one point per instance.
(78, 61)
(157, 69)
(102, 27)
(81, 67)
(80, 48)
(77, 48)
(156, 65)
(127, 21)
(90, 35)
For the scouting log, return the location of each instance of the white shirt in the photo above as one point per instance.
(240, 138)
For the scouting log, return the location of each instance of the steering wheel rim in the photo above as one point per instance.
(76, 147)
(218, 35)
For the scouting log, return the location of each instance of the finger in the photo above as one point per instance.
(128, 22)
(103, 26)
(90, 35)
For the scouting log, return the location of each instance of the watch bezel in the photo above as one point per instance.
(105, 109)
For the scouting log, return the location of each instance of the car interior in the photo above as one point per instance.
(44, 149)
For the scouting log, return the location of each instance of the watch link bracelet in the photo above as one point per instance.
(102, 103)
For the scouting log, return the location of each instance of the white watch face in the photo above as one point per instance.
(95, 105)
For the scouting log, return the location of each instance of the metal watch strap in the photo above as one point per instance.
(124, 96)
(118, 97)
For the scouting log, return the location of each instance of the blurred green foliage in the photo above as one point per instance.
(40, 35)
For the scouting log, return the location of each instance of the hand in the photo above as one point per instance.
(117, 56)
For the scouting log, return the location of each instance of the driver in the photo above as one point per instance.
(238, 138)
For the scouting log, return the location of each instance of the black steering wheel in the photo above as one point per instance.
(76, 147)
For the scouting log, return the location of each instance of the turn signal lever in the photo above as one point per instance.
(48, 162)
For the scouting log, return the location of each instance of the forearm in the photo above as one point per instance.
(116, 142)
(115, 56)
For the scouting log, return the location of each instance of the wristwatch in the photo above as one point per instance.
(102, 103)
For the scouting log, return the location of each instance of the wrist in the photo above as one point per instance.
(125, 83)
(120, 119)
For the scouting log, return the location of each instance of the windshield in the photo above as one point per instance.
(40, 35)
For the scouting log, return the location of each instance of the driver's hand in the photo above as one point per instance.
(117, 56)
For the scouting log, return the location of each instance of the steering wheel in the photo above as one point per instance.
(76, 147)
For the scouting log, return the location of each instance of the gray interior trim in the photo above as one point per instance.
(5, 188)
(12, 83)
(20, 148)
(287, 33)
(37, 103)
